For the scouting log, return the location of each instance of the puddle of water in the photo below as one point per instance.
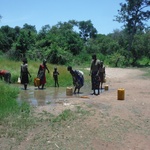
(49, 95)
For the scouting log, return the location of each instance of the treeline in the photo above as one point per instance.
(74, 42)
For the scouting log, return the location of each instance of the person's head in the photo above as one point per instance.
(55, 69)
(24, 60)
(69, 68)
(44, 61)
(94, 56)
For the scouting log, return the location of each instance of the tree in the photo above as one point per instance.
(25, 42)
(63, 35)
(134, 14)
(30, 28)
(43, 32)
(87, 30)
(7, 38)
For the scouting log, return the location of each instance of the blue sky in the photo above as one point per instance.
(50, 12)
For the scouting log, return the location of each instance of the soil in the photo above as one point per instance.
(108, 123)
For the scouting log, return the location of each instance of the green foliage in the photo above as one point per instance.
(8, 103)
(68, 116)
(62, 45)
(87, 30)
(134, 14)
(7, 36)
(144, 61)
(116, 60)
(65, 115)
(65, 78)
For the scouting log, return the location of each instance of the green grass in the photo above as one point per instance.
(15, 117)
(8, 103)
(64, 77)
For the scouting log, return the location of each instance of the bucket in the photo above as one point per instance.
(36, 82)
(106, 87)
(121, 93)
(69, 91)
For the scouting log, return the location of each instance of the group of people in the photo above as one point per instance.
(97, 72)
(24, 73)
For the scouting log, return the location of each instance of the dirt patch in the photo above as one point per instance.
(101, 123)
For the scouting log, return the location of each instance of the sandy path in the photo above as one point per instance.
(115, 124)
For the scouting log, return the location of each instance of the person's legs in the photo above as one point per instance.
(96, 85)
(57, 83)
(98, 91)
(75, 90)
(6, 77)
(25, 86)
(93, 86)
(43, 86)
(101, 85)
(9, 77)
(78, 90)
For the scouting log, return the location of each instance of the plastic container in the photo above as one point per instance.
(36, 82)
(106, 87)
(19, 80)
(69, 91)
(121, 94)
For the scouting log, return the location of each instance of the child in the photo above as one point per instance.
(55, 76)
(102, 74)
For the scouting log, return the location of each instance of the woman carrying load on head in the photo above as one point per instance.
(41, 73)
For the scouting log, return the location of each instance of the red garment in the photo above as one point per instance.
(42, 71)
(3, 72)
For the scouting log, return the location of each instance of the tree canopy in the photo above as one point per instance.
(134, 14)
(75, 41)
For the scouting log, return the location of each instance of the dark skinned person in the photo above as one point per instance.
(41, 73)
(78, 79)
(94, 72)
(24, 73)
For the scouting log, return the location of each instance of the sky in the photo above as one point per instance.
(39, 13)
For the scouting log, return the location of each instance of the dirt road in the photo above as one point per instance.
(98, 123)
(116, 124)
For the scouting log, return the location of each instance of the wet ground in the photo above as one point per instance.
(49, 95)
(102, 123)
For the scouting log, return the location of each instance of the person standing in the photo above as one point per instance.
(6, 75)
(94, 72)
(102, 74)
(41, 73)
(78, 79)
(24, 73)
(55, 76)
